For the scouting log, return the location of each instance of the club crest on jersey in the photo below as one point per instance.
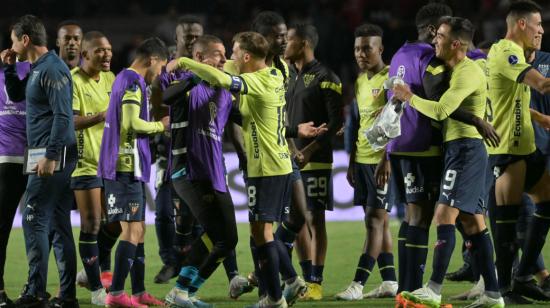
(543, 69)
(401, 71)
(375, 92)
(513, 59)
(213, 112)
(308, 78)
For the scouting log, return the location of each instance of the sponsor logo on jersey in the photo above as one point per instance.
(308, 78)
(255, 142)
(401, 71)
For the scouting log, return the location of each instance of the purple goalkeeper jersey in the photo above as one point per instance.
(410, 63)
(110, 143)
(13, 136)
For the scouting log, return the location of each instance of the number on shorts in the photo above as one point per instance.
(251, 196)
(450, 177)
(317, 187)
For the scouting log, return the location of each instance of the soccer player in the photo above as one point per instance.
(414, 156)
(49, 119)
(92, 84)
(261, 104)
(173, 238)
(516, 164)
(314, 95)
(462, 186)
(198, 173)
(124, 165)
(69, 39)
(371, 97)
(12, 180)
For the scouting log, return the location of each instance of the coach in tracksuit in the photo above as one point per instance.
(48, 92)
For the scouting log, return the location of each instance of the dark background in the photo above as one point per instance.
(126, 23)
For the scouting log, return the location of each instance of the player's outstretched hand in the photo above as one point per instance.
(172, 66)
(488, 132)
(8, 56)
(307, 130)
(166, 123)
(402, 92)
(382, 172)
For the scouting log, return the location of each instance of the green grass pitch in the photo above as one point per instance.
(345, 242)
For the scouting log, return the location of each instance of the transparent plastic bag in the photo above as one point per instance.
(388, 123)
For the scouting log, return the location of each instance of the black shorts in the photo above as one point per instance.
(268, 197)
(463, 181)
(86, 182)
(318, 187)
(415, 179)
(535, 166)
(366, 192)
(125, 198)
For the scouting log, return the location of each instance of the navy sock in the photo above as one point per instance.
(442, 252)
(268, 260)
(505, 243)
(196, 283)
(306, 266)
(230, 265)
(87, 247)
(417, 252)
(317, 273)
(364, 268)
(105, 244)
(186, 276)
(124, 259)
(286, 236)
(258, 273)
(482, 250)
(285, 264)
(137, 273)
(402, 255)
(386, 266)
(535, 238)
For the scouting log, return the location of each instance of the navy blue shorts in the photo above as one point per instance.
(463, 181)
(86, 182)
(295, 176)
(318, 186)
(125, 198)
(535, 162)
(414, 179)
(366, 192)
(268, 197)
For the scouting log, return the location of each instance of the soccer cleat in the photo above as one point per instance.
(239, 286)
(512, 298)
(166, 273)
(293, 291)
(472, 294)
(29, 301)
(353, 292)
(314, 292)
(267, 302)
(57, 302)
(178, 298)
(529, 289)
(387, 289)
(106, 279)
(197, 303)
(424, 296)
(121, 300)
(545, 286)
(98, 297)
(82, 279)
(464, 273)
(485, 301)
(146, 299)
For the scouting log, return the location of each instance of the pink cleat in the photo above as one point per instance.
(146, 299)
(118, 301)
(106, 279)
